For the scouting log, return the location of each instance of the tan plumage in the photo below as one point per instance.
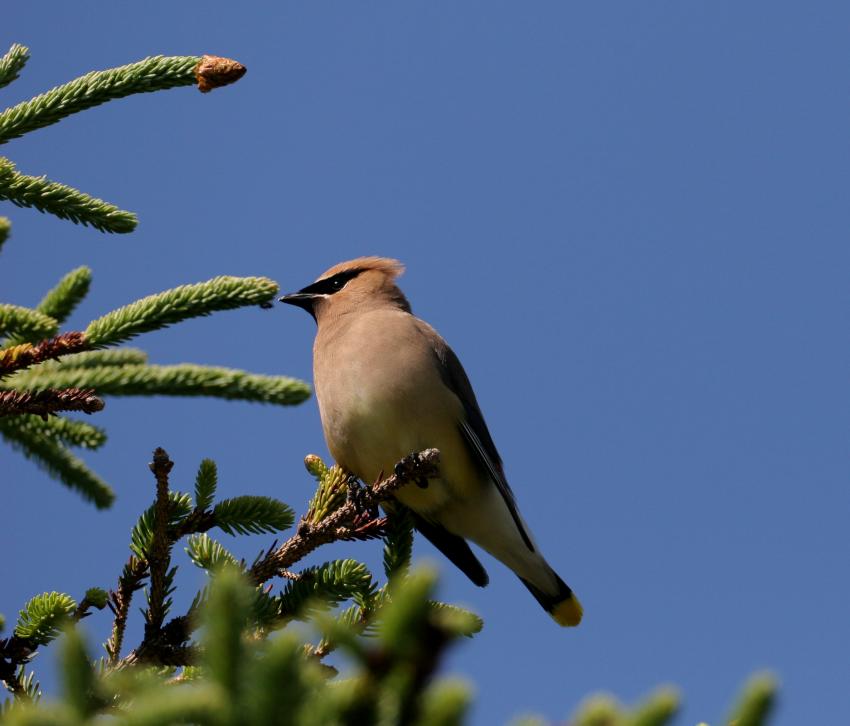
(387, 384)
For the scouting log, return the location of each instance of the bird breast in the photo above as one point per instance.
(381, 397)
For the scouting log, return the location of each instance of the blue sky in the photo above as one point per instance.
(628, 219)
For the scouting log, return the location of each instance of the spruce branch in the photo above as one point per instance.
(24, 355)
(48, 401)
(151, 74)
(181, 303)
(250, 514)
(206, 482)
(25, 323)
(62, 201)
(65, 430)
(99, 358)
(61, 300)
(39, 622)
(208, 554)
(59, 463)
(12, 63)
(332, 491)
(42, 617)
(325, 586)
(142, 536)
(177, 380)
(353, 520)
(159, 553)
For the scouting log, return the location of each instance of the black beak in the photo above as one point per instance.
(302, 300)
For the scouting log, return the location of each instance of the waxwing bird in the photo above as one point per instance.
(387, 385)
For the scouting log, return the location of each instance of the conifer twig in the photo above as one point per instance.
(151, 74)
(18, 648)
(24, 355)
(26, 324)
(69, 431)
(350, 521)
(60, 301)
(180, 303)
(12, 62)
(62, 201)
(177, 380)
(50, 400)
(159, 555)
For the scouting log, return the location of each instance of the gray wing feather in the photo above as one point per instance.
(474, 428)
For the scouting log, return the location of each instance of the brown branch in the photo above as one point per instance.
(159, 556)
(119, 602)
(24, 355)
(353, 520)
(51, 400)
(167, 647)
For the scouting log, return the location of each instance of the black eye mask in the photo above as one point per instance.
(330, 285)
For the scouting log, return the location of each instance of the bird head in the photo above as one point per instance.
(356, 285)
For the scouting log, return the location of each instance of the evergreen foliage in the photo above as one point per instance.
(41, 617)
(42, 373)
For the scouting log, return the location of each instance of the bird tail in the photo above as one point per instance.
(563, 605)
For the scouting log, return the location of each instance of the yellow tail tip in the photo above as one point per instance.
(568, 612)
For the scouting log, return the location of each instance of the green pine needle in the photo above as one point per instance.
(60, 302)
(62, 201)
(208, 554)
(326, 586)
(60, 464)
(12, 63)
(43, 616)
(252, 515)
(205, 484)
(26, 324)
(65, 430)
(141, 537)
(95, 88)
(178, 380)
(181, 303)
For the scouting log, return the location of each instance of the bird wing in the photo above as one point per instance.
(474, 428)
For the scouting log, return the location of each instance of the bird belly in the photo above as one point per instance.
(382, 425)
